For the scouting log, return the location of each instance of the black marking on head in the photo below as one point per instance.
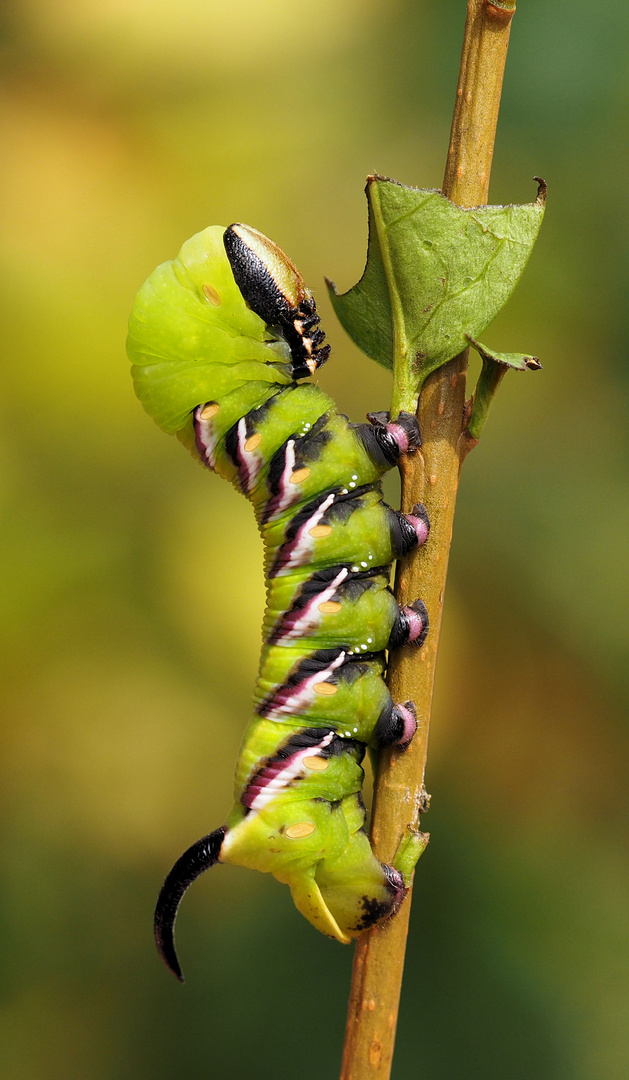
(296, 321)
(304, 363)
(198, 858)
(255, 281)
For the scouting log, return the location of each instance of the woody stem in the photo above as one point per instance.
(430, 476)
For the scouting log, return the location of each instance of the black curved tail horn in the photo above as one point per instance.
(201, 856)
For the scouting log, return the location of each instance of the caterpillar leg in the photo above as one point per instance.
(359, 896)
(357, 889)
(385, 440)
(414, 529)
(411, 626)
(396, 726)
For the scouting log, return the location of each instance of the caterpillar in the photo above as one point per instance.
(221, 340)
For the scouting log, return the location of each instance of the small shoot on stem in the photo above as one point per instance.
(495, 367)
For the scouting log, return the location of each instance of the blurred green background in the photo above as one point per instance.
(132, 595)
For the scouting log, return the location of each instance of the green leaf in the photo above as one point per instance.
(495, 366)
(435, 272)
(519, 361)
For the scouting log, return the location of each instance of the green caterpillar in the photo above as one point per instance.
(219, 339)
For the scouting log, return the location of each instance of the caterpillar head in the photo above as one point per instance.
(273, 287)
(229, 313)
(193, 338)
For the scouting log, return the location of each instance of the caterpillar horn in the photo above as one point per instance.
(194, 862)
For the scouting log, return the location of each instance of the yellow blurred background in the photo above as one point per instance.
(132, 595)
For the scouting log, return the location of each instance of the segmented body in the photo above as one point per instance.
(329, 539)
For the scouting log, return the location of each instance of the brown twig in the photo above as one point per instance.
(430, 476)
